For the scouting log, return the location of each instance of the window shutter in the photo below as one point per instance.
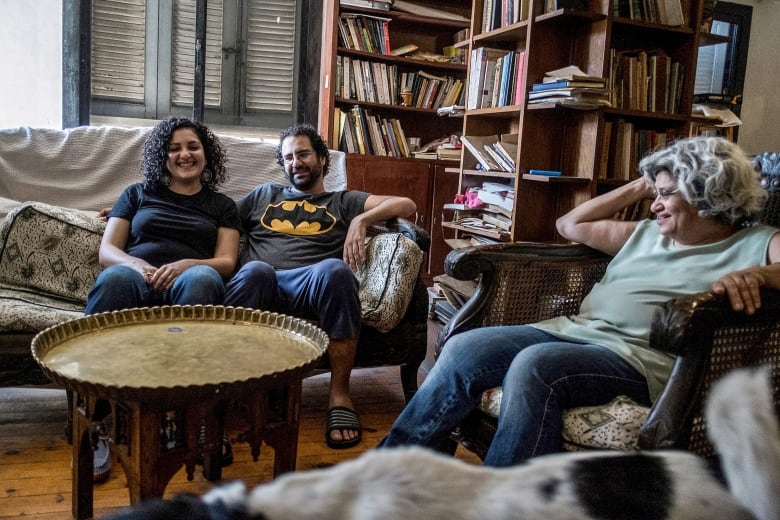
(270, 55)
(118, 35)
(183, 53)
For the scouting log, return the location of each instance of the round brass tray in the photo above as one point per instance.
(177, 352)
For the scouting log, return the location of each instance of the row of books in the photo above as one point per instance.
(665, 12)
(431, 91)
(375, 82)
(362, 132)
(500, 13)
(491, 152)
(363, 32)
(646, 80)
(623, 145)
(496, 78)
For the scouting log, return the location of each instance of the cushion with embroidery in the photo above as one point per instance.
(387, 279)
(51, 250)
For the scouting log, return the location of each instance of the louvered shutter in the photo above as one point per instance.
(270, 55)
(118, 35)
(183, 53)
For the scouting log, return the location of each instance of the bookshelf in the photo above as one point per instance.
(381, 164)
(364, 79)
(589, 151)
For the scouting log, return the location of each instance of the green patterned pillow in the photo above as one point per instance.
(387, 279)
(51, 250)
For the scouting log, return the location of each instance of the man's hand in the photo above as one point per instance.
(355, 244)
(742, 288)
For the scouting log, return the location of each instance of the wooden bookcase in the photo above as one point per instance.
(581, 144)
(425, 181)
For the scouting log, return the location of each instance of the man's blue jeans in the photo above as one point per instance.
(121, 287)
(326, 291)
(541, 376)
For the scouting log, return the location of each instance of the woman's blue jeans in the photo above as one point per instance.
(540, 376)
(121, 287)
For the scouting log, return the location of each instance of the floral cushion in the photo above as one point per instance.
(387, 279)
(50, 250)
(613, 426)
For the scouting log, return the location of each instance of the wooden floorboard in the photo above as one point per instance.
(35, 458)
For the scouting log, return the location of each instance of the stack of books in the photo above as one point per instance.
(570, 86)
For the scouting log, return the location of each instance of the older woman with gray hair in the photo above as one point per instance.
(706, 198)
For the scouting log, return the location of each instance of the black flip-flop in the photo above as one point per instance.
(342, 418)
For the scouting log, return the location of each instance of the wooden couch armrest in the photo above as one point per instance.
(521, 283)
(709, 339)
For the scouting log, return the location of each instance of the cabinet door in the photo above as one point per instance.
(401, 177)
(445, 186)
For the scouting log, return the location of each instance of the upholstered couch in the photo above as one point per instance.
(53, 182)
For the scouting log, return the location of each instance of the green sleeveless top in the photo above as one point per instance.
(647, 271)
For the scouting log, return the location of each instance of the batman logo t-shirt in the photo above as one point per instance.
(287, 228)
(297, 217)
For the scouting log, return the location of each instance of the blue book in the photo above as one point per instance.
(566, 83)
(548, 173)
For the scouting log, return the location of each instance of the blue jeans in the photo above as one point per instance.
(326, 291)
(540, 376)
(121, 287)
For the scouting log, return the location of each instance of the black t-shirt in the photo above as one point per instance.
(166, 226)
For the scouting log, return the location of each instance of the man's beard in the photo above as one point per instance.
(303, 185)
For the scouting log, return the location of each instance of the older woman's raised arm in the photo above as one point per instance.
(593, 223)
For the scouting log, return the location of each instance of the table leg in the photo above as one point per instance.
(283, 436)
(147, 472)
(81, 486)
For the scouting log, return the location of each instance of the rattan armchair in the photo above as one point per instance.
(525, 282)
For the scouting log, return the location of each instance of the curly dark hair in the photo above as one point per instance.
(320, 148)
(155, 153)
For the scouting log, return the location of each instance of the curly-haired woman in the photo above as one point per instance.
(171, 239)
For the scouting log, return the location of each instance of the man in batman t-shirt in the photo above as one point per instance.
(302, 245)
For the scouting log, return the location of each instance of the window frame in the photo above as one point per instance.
(232, 83)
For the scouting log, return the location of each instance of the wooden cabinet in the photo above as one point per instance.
(430, 184)
(593, 149)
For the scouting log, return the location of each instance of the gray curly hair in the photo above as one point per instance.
(713, 174)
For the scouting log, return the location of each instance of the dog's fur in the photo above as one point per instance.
(417, 483)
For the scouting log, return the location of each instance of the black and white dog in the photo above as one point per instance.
(417, 483)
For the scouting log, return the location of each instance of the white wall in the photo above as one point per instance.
(31, 63)
(760, 131)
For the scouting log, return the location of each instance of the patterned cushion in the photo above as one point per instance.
(613, 426)
(50, 250)
(30, 312)
(387, 279)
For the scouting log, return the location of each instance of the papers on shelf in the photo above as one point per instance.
(411, 7)
(727, 117)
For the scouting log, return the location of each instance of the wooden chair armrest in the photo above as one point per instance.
(709, 339)
(521, 283)
(407, 227)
